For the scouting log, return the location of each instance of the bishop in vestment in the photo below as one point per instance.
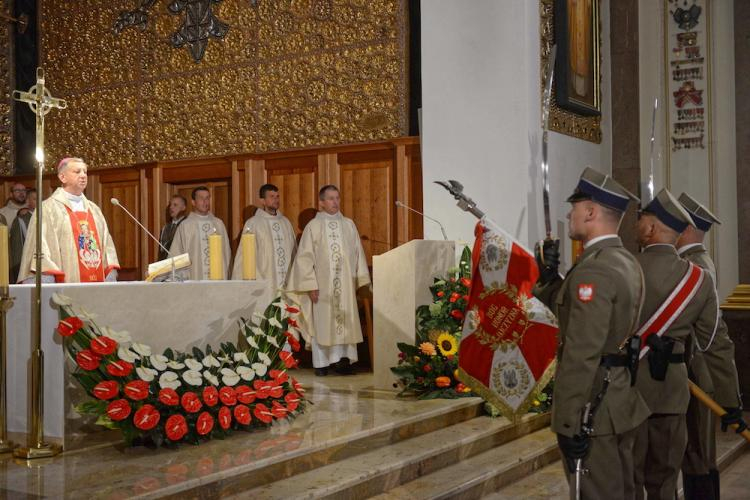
(192, 236)
(329, 268)
(76, 244)
(275, 240)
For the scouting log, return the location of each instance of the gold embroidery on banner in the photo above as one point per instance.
(495, 253)
(509, 324)
(511, 380)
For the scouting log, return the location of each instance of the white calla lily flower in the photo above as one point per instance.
(260, 369)
(212, 379)
(192, 377)
(146, 374)
(210, 361)
(141, 349)
(246, 373)
(272, 340)
(241, 357)
(193, 364)
(169, 380)
(264, 358)
(159, 362)
(229, 377)
(252, 342)
(176, 365)
(119, 337)
(126, 354)
(61, 300)
(224, 359)
(275, 323)
(259, 316)
(257, 331)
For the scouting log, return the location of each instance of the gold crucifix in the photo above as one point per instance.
(40, 100)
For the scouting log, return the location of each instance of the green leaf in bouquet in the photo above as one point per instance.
(107, 422)
(403, 371)
(465, 263)
(435, 309)
(91, 407)
(169, 353)
(408, 349)
(198, 354)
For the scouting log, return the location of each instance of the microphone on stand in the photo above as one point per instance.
(117, 203)
(442, 229)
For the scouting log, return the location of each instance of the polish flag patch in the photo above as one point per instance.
(585, 292)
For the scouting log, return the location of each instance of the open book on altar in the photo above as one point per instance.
(164, 267)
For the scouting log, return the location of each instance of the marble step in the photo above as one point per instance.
(381, 469)
(483, 473)
(549, 482)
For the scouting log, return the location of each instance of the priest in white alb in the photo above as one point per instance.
(76, 244)
(192, 237)
(329, 268)
(275, 240)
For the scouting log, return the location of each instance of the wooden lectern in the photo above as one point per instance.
(401, 281)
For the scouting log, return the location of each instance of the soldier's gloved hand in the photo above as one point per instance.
(733, 416)
(574, 447)
(548, 260)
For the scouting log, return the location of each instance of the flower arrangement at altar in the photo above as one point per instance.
(429, 368)
(174, 397)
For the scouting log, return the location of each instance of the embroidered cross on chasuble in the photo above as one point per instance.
(88, 246)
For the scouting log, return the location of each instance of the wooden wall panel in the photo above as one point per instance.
(125, 233)
(371, 178)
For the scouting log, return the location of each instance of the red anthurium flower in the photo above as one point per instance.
(69, 326)
(279, 411)
(280, 376)
(228, 396)
(225, 417)
(292, 401)
(242, 414)
(457, 314)
(244, 394)
(288, 359)
(297, 386)
(293, 342)
(465, 282)
(210, 396)
(118, 409)
(276, 391)
(292, 310)
(106, 390)
(262, 387)
(136, 390)
(262, 413)
(88, 360)
(119, 368)
(169, 397)
(176, 427)
(191, 402)
(292, 322)
(204, 424)
(103, 345)
(146, 418)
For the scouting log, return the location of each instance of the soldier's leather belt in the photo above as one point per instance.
(614, 360)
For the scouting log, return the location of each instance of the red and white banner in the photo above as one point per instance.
(509, 340)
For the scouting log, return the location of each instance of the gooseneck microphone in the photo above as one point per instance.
(117, 203)
(442, 229)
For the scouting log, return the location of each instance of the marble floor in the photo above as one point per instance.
(345, 410)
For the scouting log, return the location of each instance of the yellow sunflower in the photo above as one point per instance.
(447, 344)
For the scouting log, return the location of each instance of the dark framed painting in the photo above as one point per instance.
(578, 66)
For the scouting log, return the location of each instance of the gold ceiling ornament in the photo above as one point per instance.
(291, 74)
(587, 128)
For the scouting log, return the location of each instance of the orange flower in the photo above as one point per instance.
(443, 381)
(427, 348)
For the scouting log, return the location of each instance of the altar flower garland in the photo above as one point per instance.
(429, 368)
(174, 397)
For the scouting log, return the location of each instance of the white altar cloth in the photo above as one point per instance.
(161, 315)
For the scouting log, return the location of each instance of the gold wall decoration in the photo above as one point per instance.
(7, 80)
(587, 128)
(289, 74)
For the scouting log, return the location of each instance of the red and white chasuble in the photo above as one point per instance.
(509, 340)
(88, 249)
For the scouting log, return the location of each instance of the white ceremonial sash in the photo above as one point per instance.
(280, 258)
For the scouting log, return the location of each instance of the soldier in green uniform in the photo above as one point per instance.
(597, 305)
(700, 475)
(679, 304)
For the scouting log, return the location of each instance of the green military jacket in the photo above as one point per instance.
(597, 307)
(663, 269)
(701, 363)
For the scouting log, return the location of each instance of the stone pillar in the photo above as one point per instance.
(623, 26)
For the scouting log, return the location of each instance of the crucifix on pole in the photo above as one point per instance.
(41, 102)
